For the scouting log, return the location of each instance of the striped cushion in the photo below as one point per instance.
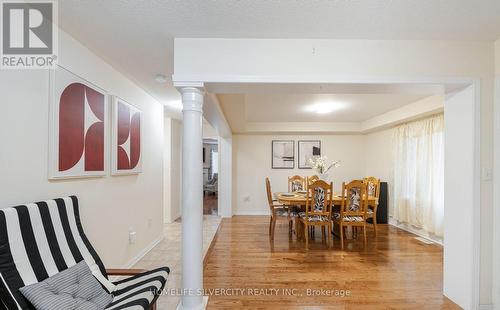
(336, 216)
(139, 292)
(314, 218)
(72, 289)
(285, 212)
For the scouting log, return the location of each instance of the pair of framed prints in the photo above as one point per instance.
(283, 153)
(86, 137)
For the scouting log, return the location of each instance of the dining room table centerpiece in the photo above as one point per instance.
(322, 166)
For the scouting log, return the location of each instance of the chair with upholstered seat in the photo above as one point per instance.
(296, 183)
(278, 211)
(318, 210)
(373, 189)
(43, 239)
(352, 209)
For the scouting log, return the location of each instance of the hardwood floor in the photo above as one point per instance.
(394, 271)
(210, 204)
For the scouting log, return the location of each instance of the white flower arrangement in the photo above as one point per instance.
(320, 164)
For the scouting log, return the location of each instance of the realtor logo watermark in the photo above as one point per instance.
(29, 34)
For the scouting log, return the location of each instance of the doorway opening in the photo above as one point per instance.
(210, 176)
(460, 254)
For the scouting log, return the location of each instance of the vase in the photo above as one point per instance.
(324, 177)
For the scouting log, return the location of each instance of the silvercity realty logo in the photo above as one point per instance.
(29, 34)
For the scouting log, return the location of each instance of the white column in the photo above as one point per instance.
(192, 199)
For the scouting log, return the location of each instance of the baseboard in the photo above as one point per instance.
(486, 307)
(143, 253)
(170, 221)
(211, 246)
(251, 212)
(138, 257)
(414, 231)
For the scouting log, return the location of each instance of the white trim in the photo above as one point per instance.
(486, 307)
(450, 83)
(225, 205)
(476, 258)
(183, 79)
(496, 197)
(143, 253)
(139, 256)
(416, 231)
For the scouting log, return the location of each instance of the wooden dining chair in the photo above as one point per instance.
(296, 183)
(318, 210)
(353, 209)
(312, 179)
(373, 189)
(277, 211)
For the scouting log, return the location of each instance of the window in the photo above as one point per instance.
(419, 174)
(215, 162)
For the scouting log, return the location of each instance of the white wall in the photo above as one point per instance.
(459, 240)
(252, 164)
(219, 60)
(172, 170)
(208, 130)
(109, 206)
(497, 58)
(361, 155)
(379, 159)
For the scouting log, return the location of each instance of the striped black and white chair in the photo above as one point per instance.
(373, 188)
(39, 240)
(318, 210)
(353, 208)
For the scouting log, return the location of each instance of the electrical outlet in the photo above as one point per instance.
(150, 223)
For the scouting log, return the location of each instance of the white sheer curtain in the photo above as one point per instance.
(418, 192)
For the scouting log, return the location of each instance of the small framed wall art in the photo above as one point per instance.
(308, 149)
(283, 154)
(126, 138)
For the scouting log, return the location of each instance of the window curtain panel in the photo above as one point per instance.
(419, 174)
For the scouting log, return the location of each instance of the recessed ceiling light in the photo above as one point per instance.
(161, 78)
(325, 107)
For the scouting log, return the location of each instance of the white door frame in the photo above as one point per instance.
(496, 198)
(208, 80)
(225, 177)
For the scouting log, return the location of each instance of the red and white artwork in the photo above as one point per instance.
(126, 138)
(78, 127)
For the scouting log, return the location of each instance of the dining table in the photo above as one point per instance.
(299, 198)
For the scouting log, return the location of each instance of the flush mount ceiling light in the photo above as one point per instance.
(325, 107)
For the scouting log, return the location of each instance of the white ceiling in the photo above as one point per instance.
(137, 36)
(296, 107)
(289, 110)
